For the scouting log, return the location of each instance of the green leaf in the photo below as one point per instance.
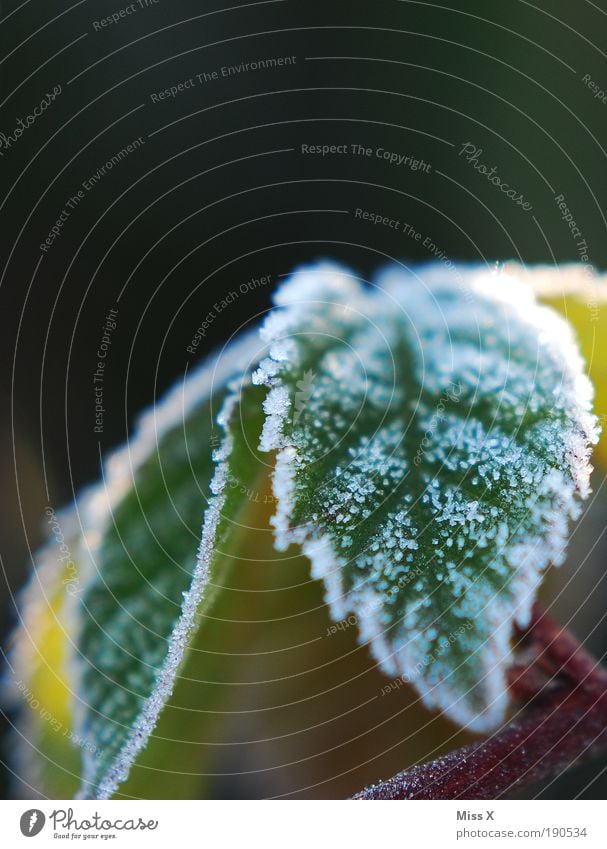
(433, 442)
(148, 588)
(146, 578)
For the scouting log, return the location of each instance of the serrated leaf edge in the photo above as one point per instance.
(324, 282)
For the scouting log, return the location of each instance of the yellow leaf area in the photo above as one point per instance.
(48, 755)
(578, 293)
(590, 324)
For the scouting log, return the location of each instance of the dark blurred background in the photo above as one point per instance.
(217, 191)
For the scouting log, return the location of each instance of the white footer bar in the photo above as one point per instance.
(309, 824)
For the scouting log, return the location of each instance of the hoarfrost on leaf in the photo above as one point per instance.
(443, 451)
(431, 451)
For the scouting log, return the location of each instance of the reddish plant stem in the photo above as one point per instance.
(564, 722)
(564, 654)
(546, 740)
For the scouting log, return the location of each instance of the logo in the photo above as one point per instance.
(32, 822)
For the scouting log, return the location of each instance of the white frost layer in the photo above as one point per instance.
(503, 308)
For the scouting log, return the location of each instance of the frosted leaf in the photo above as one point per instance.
(432, 469)
(146, 575)
(432, 448)
(149, 588)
